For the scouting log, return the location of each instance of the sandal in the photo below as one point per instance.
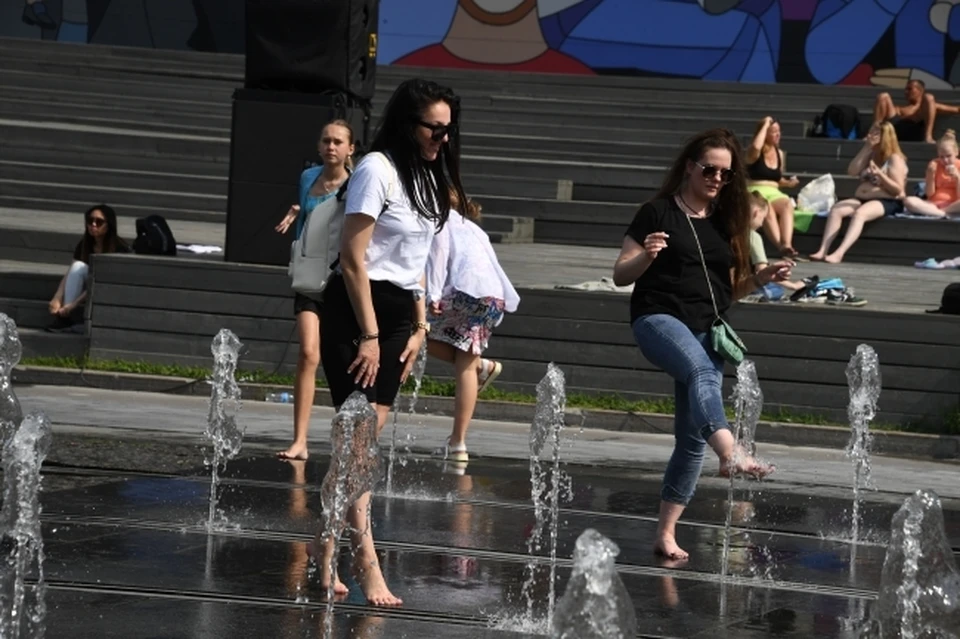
(488, 375)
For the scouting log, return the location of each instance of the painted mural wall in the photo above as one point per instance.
(860, 42)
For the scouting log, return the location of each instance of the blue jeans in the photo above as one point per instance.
(697, 372)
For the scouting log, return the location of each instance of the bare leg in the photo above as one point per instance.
(322, 552)
(468, 383)
(447, 353)
(772, 229)
(366, 564)
(929, 110)
(868, 212)
(923, 207)
(840, 210)
(666, 541)
(305, 385)
(883, 108)
(783, 210)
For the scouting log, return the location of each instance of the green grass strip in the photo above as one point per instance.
(948, 424)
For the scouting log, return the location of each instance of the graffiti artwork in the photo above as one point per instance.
(865, 42)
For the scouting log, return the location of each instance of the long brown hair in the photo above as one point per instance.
(732, 205)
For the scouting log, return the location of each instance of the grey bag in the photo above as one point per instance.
(314, 255)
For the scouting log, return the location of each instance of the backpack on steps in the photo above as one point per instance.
(838, 121)
(154, 237)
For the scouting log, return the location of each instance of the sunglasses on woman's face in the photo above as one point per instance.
(710, 171)
(439, 131)
(96, 222)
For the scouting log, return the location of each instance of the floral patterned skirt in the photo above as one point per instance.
(466, 322)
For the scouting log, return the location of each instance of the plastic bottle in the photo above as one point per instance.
(280, 398)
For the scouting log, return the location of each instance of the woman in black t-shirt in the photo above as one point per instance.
(703, 205)
(99, 236)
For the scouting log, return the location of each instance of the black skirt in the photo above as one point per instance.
(393, 307)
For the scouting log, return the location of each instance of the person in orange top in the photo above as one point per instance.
(943, 182)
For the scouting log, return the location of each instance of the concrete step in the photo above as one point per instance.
(26, 313)
(39, 343)
(508, 229)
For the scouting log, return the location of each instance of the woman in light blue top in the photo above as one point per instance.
(317, 184)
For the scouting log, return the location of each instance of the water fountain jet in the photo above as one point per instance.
(225, 435)
(548, 422)
(354, 469)
(11, 350)
(748, 404)
(920, 584)
(863, 378)
(419, 367)
(596, 604)
(22, 615)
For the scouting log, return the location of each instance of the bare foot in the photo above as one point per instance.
(323, 556)
(296, 451)
(817, 257)
(745, 466)
(370, 578)
(666, 546)
(833, 259)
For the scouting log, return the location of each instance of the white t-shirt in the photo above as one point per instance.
(401, 240)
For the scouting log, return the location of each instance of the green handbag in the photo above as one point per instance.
(724, 340)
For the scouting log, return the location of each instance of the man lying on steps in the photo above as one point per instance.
(913, 121)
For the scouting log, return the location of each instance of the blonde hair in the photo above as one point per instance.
(346, 125)
(889, 145)
(949, 137)
(473, 208)
(759, 201)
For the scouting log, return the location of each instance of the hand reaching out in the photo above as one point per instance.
(288, 219)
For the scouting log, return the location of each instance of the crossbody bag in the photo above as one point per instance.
(724, 340)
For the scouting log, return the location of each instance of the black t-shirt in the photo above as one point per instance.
(674, 283)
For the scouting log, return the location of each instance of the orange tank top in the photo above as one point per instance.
(947, 185)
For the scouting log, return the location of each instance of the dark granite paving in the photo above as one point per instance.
(126, 548)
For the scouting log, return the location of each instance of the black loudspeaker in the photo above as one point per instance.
(312, 45)
(274, 138)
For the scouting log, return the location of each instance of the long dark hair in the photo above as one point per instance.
(111, 241)
(732, 205)
(426, 183)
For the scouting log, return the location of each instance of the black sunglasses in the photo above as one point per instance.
(710, 171)
(439, 131)
(96, 221)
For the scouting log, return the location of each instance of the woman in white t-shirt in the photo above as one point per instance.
(374, 315)
(467, 294)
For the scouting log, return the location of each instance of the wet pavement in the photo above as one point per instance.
(126, 545)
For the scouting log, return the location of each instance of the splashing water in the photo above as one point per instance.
(748, 404)
(354, 469)
(596, 604)
(225, 435)
(863, 378)
(21, 541)
(11, 350)
(548, 421)
(920, 583)
(419, 367)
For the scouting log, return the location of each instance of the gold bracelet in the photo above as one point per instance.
(422, 326)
